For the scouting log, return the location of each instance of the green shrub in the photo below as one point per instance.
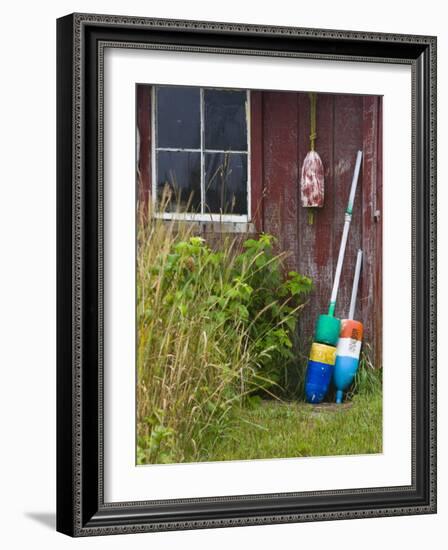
(213, 328)
(274, 303)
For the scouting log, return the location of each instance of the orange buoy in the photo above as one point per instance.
(351, 329)
(350, 341)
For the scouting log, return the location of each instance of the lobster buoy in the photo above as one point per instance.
(312, 181)
(327, 330)
(349, 344)
(347, 356)
(319, 372)
(312, 175)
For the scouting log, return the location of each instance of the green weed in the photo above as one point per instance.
(214, 326)
(369, 379)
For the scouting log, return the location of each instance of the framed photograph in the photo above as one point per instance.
(246, 274)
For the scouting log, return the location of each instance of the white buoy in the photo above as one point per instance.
(349, 344)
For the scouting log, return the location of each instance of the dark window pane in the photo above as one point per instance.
(225, 120)
(178, 117)
(178, 181)
(225, 183)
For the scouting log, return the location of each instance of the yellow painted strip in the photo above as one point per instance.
(323, 353)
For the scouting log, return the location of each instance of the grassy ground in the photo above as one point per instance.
(216, 331)
(284, 430)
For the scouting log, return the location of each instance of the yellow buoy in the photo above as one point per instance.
(323, 353)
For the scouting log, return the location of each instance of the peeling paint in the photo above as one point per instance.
(343, 127)
(279, 144)
(342, 167)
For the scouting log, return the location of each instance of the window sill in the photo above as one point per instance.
(208, 227)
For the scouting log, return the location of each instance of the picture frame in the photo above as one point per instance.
(81, 506)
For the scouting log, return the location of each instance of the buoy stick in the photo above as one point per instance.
(351, 312)
(348, 219)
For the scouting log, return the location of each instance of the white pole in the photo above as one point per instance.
(348, 219)
(351, 312)
(351, 198)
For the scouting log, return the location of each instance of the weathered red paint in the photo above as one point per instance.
(348, 139)
(144, 150)
(281, 169)
(279, 143)
(378, 218)
(345, 123)
(315, 245)
(371, 294)
(256, 159)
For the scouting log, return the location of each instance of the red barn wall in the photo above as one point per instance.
(345, 124)
(280, 128)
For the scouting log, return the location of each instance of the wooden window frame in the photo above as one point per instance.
(203, 216)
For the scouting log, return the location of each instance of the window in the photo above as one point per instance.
(201, 153)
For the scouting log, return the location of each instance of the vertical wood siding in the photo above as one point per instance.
(281, 171)
(280, 128)
(345, 123)
(143, 146)
(256, 158)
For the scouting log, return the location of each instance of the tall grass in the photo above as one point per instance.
(198, 354)
(369, 379)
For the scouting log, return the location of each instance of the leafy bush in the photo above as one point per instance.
(214, 326)
(274, 302)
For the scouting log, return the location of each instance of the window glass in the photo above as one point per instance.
(225, 120)
(178, 117)
(225, 183)
(179, 181)
(197, 135)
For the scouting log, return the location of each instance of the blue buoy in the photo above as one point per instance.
(318, 379)
(350, 341)
(344, 373)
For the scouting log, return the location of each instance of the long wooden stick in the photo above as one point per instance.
(348, 219)
(351, 312)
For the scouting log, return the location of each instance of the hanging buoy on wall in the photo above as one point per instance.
(312, 176)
